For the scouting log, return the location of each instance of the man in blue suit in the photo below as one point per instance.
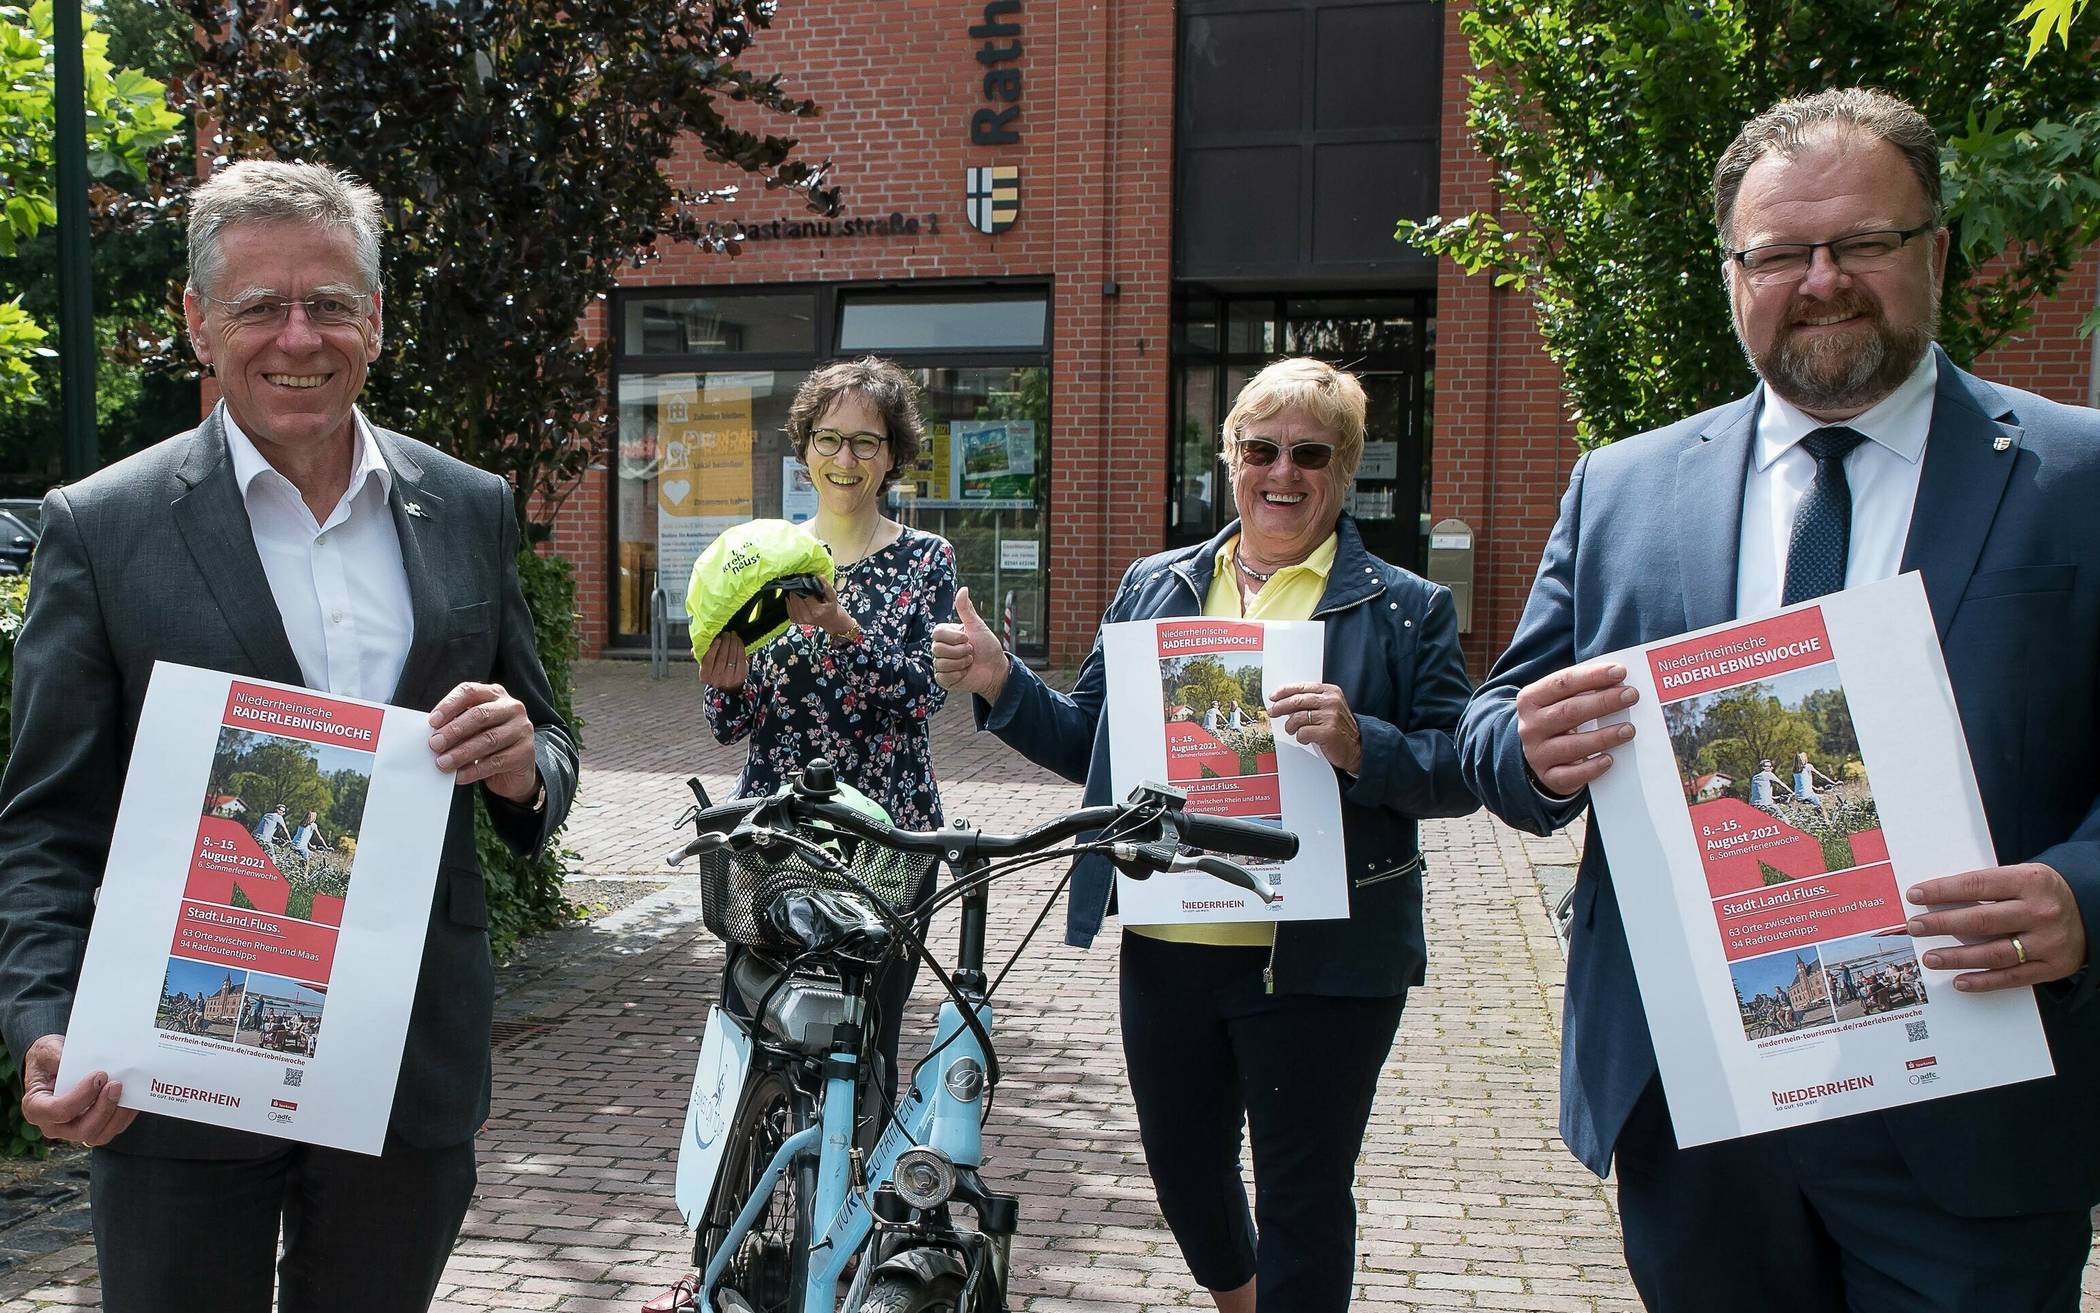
(1864, 452)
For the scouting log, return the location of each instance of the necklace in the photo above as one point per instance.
(1252, 573)
(867, 546)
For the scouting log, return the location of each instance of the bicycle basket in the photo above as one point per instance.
(736, 887)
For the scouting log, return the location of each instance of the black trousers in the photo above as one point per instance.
(361, 1234)
(1207, 1050)
(1824, 1218)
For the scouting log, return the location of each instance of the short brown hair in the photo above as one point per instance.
(1331, 396)
(1786, 127)
(885, 386)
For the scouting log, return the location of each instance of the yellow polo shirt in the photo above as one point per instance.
(1290, 594)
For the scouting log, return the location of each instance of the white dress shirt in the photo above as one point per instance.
(340, 586)
(1882, 472)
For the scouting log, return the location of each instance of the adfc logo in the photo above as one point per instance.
(994, 197)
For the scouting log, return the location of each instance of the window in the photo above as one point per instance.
(727, 324)
(702, 443)
(978, 323)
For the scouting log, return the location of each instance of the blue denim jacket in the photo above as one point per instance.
(1392, 647)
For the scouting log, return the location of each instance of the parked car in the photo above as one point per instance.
(21, 521)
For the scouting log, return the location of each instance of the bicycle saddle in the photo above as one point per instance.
(828, 921)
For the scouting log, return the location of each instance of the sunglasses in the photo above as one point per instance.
(866, 446)
(1261, 453)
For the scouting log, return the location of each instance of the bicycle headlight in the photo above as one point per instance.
(924, 1177)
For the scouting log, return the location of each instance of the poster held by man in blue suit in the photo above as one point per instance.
(1863, 453)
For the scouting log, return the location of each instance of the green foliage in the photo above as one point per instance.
(525, 894)
(17, 1137)
(1604, 121)
(2047, 18)
(521, 151)
(127, 118)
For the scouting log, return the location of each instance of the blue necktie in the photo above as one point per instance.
(1815, 555)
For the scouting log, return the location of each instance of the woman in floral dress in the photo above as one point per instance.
(852, 678)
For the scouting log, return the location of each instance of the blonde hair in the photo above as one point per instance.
(1331, 396)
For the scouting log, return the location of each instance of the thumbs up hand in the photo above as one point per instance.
(967, 654)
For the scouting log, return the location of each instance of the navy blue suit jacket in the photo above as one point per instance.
(2008, 541)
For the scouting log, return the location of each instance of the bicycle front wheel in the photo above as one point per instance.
(902, 1294)
(770, 1263)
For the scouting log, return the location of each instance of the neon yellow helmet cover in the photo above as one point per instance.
(732, 584)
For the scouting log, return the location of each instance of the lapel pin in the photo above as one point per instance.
(417, 511)
(2002, 444)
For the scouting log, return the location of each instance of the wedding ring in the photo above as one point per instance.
(2018, 951)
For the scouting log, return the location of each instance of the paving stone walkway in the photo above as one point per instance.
(1468, 1199)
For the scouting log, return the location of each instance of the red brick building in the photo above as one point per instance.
(1165, 197)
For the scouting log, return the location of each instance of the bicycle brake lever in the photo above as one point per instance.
(706, 843)
(1230, 872)
(1141, 861)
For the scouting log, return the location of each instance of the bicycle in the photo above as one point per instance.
(822, 1183)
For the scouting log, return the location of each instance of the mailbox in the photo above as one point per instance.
(1451, 564)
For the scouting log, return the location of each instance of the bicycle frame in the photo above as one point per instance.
(936, 1111)
(931, 1113)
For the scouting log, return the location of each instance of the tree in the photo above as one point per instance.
(2047, 18)
(127, 117)
(1750, 725)
(1603, 122)
(521, 153)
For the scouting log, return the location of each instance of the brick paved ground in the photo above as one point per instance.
(1468, 1199)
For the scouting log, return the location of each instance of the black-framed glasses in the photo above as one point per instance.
(1261, 453)
(866, 446)
(323, 309)
(1788, 262)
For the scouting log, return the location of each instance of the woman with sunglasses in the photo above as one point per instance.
(1280, 1026)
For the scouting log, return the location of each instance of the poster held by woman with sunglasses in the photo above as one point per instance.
(1284, 1025)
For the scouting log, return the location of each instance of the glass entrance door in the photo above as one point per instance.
(1386, 341)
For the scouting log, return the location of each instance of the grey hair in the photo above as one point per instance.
(272, 191)
(1789, 125)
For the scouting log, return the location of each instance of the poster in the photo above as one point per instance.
(718, 1087)
(992, 463)
(703, 483)
(260, 925)
(798, 491)
(1186, 707)
(1790, 777)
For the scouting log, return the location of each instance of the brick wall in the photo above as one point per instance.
(898, 81)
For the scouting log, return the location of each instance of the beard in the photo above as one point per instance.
(1823, 373)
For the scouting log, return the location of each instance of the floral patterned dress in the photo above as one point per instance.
(866, 705)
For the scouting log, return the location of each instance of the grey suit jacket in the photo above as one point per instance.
(153, 559)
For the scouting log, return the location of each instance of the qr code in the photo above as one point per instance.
(294, 1075)
(1914, 1029)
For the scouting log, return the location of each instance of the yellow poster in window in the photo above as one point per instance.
(929, 474)
(704, 484)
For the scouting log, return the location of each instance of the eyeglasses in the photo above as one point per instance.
(1262, 453)
(323, 309)
(866, 446)
(1788, 262)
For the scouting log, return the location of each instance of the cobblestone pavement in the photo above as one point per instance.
(1468, 1200)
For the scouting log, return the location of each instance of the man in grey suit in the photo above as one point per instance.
(287, 539)
(1864, 452)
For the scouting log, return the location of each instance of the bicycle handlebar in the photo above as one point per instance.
(1138, 852)
(1246, 838)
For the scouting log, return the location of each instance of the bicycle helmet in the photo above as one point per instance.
(741, 583)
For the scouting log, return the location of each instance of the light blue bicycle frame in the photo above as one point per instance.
(931, 1114)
